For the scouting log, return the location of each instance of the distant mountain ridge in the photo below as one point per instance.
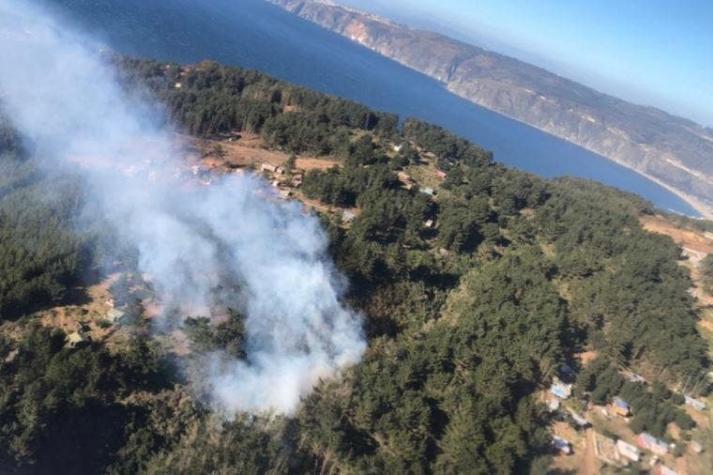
(675, 152)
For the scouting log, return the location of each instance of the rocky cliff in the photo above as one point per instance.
(673, 151)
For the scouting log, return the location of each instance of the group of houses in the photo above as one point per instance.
(82, 332)
(621, 453)
(281, 180)
(408, 183)
(610, 451)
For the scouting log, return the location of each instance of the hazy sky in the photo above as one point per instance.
(655, 52)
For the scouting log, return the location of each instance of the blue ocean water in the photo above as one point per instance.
(255, 34)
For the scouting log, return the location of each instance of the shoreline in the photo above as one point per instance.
(705, 211)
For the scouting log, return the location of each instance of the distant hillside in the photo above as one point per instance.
(673, 151)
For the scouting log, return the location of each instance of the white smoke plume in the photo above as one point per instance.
(59, 92)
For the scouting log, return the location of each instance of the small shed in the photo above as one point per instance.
(441, 174)
(405, 178)
(74, 339)
(428, 191)
(696, 404)
(662, 469)
(114, 315)
(621, 407)
(633, 377)
(12, 355)
(649, 442)
(562, 445)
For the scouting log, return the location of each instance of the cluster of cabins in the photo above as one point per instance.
(620, 452)
(281, 180)
(82, 333)
(408, 183)
(608, 450)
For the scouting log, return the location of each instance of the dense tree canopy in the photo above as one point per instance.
(41, 255)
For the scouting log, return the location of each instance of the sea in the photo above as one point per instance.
(258, 35)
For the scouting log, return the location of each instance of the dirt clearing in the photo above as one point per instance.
(688, 239)
(249, 151)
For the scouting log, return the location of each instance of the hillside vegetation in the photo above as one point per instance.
(476, 290)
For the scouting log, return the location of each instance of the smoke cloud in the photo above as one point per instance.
(191, 240)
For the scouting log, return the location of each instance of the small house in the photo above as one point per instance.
(268, 167)
(428, 224)
(428, 191)
(649, 442)
(553, 404)
(633, 377)
(562, 445)
(560, 389)
(285, 193)
(405, 178)
(348, 216)
(696, 404)
(621, 407)
(628, 451)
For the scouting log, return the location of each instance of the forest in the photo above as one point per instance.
(467, 317)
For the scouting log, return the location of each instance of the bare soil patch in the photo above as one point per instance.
(90, 319)
(247, 152)
(688, 239)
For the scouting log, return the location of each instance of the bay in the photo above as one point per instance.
(255, 34)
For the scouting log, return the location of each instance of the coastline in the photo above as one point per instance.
(705, 210)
